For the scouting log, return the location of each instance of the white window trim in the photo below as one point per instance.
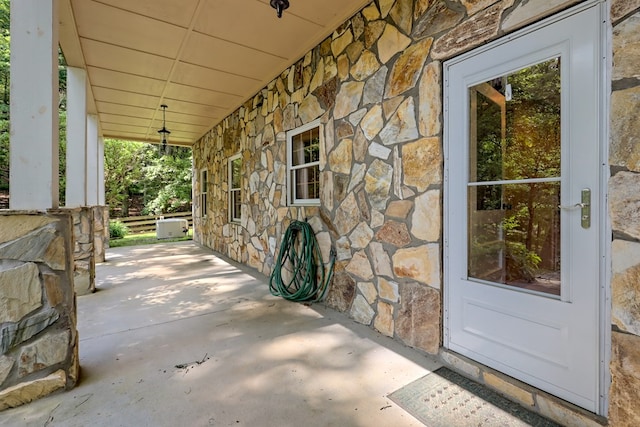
(231, 190)
(290, 181)
(203, 192)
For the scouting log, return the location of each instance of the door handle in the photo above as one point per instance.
(584, 206)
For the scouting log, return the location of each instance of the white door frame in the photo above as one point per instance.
(605, 223)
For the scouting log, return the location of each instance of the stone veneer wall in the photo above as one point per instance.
(38, 338)
(100, 232)
(91, 237)
(624, 207)
(84, 252)
(376, 84)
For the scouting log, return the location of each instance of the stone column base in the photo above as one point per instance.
(39, 345)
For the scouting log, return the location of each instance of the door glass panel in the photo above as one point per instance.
(518, 244)
(514, 179)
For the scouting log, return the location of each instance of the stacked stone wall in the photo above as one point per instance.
(38, 338)
(84, 249)
(100, 232)
(91, 238)
(624, 207)
(376, 84)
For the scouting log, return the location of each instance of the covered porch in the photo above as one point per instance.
(123, 62)
(369, 81)
(178, 336)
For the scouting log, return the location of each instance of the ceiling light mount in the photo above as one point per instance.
(164, 132)
(279, 6)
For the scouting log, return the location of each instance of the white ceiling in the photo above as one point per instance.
(202, 58)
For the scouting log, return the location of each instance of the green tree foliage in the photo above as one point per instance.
(134, 168)
(4, 153)
(123, 163)
(62, 157)
(520, 142)
(5, 53)
(534, 150)
(167, 181)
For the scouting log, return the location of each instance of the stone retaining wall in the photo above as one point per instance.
(38, 338)
(376, 85)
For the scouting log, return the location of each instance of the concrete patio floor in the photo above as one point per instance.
(177, 336)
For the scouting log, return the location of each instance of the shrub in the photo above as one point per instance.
(117, 229)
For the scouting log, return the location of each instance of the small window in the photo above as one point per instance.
(235, 188)
(303, 148)
(204, 181)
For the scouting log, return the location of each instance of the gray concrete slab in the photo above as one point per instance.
(176, 336)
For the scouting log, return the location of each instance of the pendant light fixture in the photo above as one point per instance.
(164, 132)
(279, 6)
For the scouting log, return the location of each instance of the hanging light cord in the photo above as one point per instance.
(300, 258)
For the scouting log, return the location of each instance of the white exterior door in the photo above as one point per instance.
(523, 206)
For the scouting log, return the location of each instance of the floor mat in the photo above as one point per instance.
(447, 399)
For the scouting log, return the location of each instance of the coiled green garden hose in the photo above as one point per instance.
(300, 257)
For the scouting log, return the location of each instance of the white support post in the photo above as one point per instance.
(92, 160)
(34, 146)
(101, 191)
(76, 191)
